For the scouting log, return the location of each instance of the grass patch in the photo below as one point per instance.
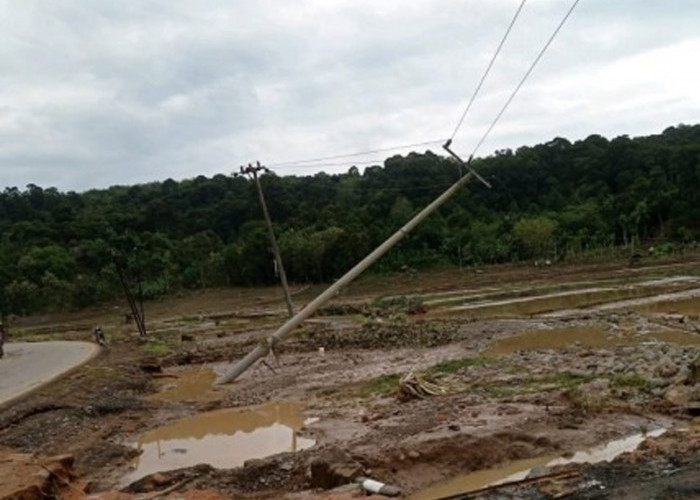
(632, 381)
(566, 380)
(157, 348)
(452, 366)
(553, 382)
(381, 385)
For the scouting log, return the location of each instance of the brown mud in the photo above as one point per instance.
(524, 385)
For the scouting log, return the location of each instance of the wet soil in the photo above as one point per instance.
(520, 387)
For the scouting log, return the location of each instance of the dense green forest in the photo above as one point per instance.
(548, 201)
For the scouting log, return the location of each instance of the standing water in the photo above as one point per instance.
(520, 469)
(222, 438)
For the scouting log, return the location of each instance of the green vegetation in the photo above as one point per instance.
(157, 347)
(632, 381)
(551, 382)
(550, 201)
(381, 385)
(452, 366)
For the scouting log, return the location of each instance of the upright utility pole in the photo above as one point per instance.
(135, 313)
(252, 171)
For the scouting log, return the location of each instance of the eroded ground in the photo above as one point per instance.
(518, 368)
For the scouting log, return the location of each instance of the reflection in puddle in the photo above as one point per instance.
(573, 299)
(561, 338)
(525, 306)
(194, 384)
(520, 469)
(687, 307)
(223, 439)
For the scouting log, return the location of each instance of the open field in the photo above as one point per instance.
(519, 368)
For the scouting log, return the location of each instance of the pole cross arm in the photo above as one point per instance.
(466, 164)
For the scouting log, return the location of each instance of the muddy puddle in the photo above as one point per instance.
(595, 338)
(521, 469)
(222, 438)
(192, 384)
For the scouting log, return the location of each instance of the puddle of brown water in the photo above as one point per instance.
(195, 384)
(519, 469)
(687, 307)
(222, 438)
(595, 338)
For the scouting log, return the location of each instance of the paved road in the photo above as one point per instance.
(29, 365)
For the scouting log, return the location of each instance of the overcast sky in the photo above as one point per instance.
(102, 92)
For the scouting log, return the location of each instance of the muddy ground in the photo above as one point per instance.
(513, 363)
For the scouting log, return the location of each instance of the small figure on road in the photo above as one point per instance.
(99, 334)
(3, 334)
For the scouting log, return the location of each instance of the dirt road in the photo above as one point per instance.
(28, 365)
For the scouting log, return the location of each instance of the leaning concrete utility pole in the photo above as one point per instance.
(253, 172)
(264, 348)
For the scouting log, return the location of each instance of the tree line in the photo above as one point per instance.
(552, 200)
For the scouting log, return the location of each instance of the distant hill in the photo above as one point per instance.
(548, 201)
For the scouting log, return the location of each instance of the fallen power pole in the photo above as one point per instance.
(252, 171)
(264, 348)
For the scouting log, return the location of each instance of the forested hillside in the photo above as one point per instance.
(550, 200)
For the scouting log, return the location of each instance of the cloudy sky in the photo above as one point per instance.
(102, 92)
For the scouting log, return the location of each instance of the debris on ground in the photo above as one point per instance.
(418, 385)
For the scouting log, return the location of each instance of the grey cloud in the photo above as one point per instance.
(100, 93)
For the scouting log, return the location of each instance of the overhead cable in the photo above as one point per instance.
(286, 164)
(525, 77)
(488, 70)
(347, 163)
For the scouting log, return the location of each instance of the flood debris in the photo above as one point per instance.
(418, 385)
(374, 486)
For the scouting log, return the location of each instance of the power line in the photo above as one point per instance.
(488, 70)
(358, 153)
(525, 77)
(349, 163)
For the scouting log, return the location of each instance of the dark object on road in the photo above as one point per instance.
(99, 334)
